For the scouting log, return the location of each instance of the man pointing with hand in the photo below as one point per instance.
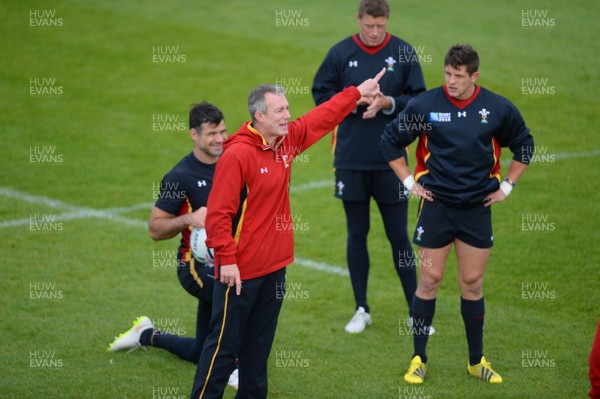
(246, 207)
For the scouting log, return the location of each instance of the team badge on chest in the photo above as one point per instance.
(390, 64)
(484, 114)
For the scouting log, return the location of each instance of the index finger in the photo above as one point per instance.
(238, 285)
(379, 75)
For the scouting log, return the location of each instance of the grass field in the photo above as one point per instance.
(94, 96)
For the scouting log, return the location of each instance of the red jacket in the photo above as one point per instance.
(594, 372)
(248, 219)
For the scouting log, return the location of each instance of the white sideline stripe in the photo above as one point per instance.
(559, 155)
(78, 216)
(75, 212)
(111, 214)
(35, 199)
(312, 185)
(83, 214)
(569, 155)
(321, 266)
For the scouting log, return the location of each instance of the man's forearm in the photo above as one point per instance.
(167, 227)
(400, 167)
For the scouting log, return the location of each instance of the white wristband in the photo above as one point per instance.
(506, 187)
(391, 110)
(409, 182)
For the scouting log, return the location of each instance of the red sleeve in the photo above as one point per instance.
(316, 123)
(222, 208)
(595, 366)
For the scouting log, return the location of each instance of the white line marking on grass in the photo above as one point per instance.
(112, 214)
(584, 154)
(560, 155)
(36, 199)
(74, 212)
(311, 185)
(78, 215)
(321, 266)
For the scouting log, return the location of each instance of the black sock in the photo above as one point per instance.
(146, 337)
(473, 313)
(422, 314)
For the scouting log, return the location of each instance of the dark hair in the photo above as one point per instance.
(462, 54)
(256, 98)
(375, 8)
(204, 112)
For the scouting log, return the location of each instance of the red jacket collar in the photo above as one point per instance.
(248, 134)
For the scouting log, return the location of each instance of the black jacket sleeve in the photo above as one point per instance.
(327, 79)
(401, 132)
(516, 135)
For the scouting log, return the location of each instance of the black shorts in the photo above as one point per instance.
(438, 224)
(197, 279)
(383, 185)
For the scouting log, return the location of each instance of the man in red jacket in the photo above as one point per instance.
(248, 198)
(595, 366)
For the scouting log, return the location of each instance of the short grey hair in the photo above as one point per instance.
(256, 98)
